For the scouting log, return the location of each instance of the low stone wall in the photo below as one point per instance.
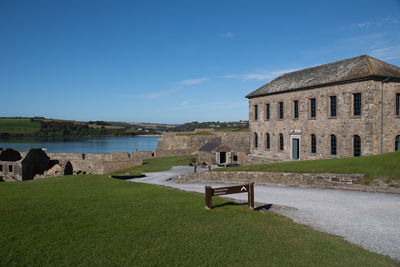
(253, 159)
(142, 154)
(273, 178)
(171, 153)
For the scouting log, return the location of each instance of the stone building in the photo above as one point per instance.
(341, 109)
(215, 153)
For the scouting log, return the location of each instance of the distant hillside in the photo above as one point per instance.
(39, 126)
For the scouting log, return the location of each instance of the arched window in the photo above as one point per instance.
(255, 140)
(397, 143)
(267, 141)
(281, 142)
(313, 144)
(333, 145)
(356, 146)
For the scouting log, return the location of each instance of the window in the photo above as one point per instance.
(281, 142)
(296, 109)
(255, 112)
(267, 141)
(356, 146)
(255, 140)
(10, 168)
(397, 104)
(281, 110)
(267, 114)
(313, 144)
(397, 143)
(333, 106)
(357, 104)
(1, 168)
(333, 145)
(313, 107)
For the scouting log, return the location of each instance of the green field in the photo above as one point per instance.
(18, 126)
(158, 164)
(92, 220)
(379, 166)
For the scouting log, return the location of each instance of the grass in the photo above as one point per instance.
(158, 164)
(233, 130)
(18, 126)
(92, 220)
(378, 166)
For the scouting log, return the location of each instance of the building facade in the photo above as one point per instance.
(341, 109)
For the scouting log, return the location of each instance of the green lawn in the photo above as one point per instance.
(92, 220)
(18, 126)
(379, 166)
(158, 164)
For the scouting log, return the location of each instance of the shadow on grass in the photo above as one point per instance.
(231, 203)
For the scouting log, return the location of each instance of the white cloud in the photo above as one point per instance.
(193, 81)
(260, 76)
(226, 35)
(381, 22)
(387, 53)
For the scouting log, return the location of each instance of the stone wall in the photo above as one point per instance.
(238, 142)
(344, 126)
(171, 153)
(273, 178)
(190, 143)
(142, 154)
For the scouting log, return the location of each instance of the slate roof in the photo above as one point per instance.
(353, 69)
(209, 147)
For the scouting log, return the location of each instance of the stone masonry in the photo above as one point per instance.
(273, 178)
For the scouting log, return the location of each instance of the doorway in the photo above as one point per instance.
(295, 148)
(222, 157)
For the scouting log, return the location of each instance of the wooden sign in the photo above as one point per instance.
(246, 188)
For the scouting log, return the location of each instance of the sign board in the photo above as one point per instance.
(246, 188)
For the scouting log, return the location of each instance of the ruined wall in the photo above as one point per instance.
(190, 143)
(344, 125)
(142, 154)
(14, 175)
(273, 178)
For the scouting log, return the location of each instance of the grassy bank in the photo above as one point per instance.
(23, 126)
(158, 164)
(92, 220)
(378, 166)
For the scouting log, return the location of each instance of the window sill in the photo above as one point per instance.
(313, 119)
(332, 117)
(313, 154)
(333, 156)
(356, 117)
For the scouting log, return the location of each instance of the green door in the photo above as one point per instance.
(295, 148)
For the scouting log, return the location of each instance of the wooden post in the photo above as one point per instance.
(209, 167)
(208, 197)
(250, 196)
(195, 168)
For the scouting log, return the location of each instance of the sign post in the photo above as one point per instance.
(246, 188)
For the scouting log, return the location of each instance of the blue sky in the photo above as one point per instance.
(173, 61)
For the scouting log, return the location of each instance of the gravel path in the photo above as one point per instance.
(371, 220)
